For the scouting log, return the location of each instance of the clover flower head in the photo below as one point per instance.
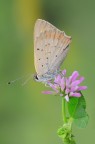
(67, 86)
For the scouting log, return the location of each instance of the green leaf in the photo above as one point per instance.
(76, 107)
(72, 105)
(82, 122)
(77, 110)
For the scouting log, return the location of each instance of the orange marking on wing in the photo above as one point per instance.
(53, 35)
(56, 36)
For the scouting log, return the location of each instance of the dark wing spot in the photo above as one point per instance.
(56, 55)
(38, 49)
(42, 65)
(47, 57)
(39, 59)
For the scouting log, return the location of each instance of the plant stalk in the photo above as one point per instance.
(64, 110)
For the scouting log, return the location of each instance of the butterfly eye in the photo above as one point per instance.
(36, 77)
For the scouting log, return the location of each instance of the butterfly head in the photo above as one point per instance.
(42, 78)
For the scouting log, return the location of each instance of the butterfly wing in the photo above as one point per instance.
(50, 47)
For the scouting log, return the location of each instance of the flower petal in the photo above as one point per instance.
(82, 88)
(62, 84)
(67, 91)
(56, 86)
(70, 79)
(75, 83)
(48, 92)
(81, 79)
(74, 88)
(64, 72)
(57, 79)
(67, 82)
(74, 75)
(67, 98)
(76, 94)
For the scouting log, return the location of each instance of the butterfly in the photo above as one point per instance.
(50, 49)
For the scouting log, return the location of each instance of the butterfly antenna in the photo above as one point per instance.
(19, 78)
(30, 77)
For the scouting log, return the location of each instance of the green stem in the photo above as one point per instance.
(64, 110)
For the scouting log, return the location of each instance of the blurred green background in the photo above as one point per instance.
(26, 115)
